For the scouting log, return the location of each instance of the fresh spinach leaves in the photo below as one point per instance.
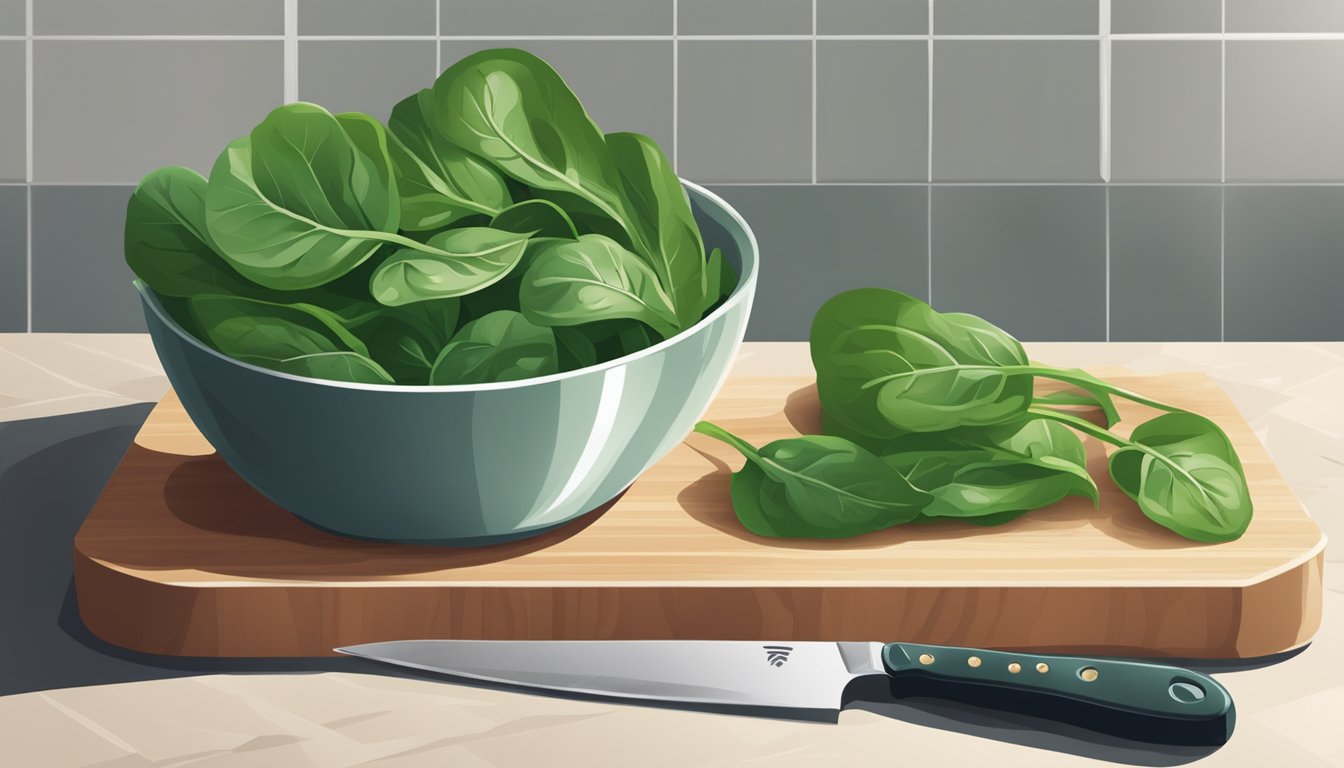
(489, 232)
(948, 400)
(946, 403)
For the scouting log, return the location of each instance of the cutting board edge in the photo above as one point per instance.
(214, 622)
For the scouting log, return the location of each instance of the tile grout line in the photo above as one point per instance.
(1151, 37)
(291, 53)
(1107, 235)
(676, 85)
(1222, 263)
(438, 38)
(928, 208)
(1222, 112)
(814, 91)
(805, 182)
(1104, 65)
(28, 163)
(28, 263)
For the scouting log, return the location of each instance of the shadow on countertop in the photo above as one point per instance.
(52, 470)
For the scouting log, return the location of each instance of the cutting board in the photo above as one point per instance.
(179, 556)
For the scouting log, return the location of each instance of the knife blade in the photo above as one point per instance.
(1153, 702)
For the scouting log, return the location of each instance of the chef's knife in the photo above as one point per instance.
(1151, 702)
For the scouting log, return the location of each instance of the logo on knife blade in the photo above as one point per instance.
(776, 655)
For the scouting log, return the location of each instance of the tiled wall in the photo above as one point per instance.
(1071, 169)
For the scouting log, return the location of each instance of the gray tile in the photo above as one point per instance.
(852, 237)
(1031, 260)
(572, 17)
(1283, 266)
(1016, 17)
(159, 17)
(13, 259)
(13, 111)
(364, 75)
(80, 278)
(1285, 16)
(872, 17)
(744, 17)
(626, 85)
(745, 111)
(1165, 270)
(13, 17)
(360, 17)
(1284, 115)
(887, 140)
(1016, 111)
(1142, 16)
(154, 103)
(1166, 110)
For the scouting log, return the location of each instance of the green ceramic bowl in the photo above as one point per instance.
(462, 464)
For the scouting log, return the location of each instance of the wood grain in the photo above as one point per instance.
(179, 556)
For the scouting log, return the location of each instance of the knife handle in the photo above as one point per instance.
(1151, 702)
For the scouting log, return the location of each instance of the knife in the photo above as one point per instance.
(1149, 702)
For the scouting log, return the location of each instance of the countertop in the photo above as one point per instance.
(70, 404)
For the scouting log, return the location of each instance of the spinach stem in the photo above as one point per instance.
(1084, 380)
(1082, 425)
(719, 433)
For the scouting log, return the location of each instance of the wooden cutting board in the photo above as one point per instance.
(179, 556)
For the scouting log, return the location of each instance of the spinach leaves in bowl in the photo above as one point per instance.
(489, 232)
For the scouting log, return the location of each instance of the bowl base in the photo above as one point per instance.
(578, 522)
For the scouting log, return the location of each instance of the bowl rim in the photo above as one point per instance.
(720, 210)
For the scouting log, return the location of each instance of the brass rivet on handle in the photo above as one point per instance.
(1042, 667)
(925, 658)
(1014, 667)
(1089, 673)
(974, 661)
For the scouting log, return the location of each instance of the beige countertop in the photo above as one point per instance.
(1291, 393)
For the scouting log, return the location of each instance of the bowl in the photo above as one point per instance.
(462, 465)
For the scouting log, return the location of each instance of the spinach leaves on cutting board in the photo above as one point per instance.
(934, 416)
(489, 232)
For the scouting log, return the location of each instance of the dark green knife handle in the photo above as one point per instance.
(1168, 703)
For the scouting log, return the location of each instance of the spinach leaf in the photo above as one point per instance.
(663, 222)
(294, 338)
(635, 338)
(590, 279)
(1185, 475)
(720, 280)
(280, 206)
(501, 346)
(439, 183)
(405, 341)
(816, 486)
(457, 262)
(504, 294)
(166, 242)
(510, 108)
(888, 363)
(982, 472)
(574, 349)
(539, 218)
